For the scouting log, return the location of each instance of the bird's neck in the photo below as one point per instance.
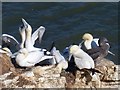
(88, 44)
(28, 36)
(80, 54)
(23, 39)
(28, 42)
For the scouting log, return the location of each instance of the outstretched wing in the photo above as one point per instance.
(38, 34)
(8, 40)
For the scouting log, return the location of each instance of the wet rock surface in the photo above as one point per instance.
(52, 77)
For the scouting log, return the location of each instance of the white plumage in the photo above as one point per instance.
(82, 59)
(29, 55)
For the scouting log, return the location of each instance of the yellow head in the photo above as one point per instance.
(87, 36)
(23, 51)
(74, 48)
(27, 27)
(23, 37)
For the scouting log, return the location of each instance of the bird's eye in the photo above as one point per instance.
(20, 52)
(26, 26)
(107, 42)
(21, 26)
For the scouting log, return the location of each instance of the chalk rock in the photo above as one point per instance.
(108, 68)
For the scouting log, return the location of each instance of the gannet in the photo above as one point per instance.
(81, 58)
(29, 55)
(29, 59)
(30, 38)
(84, 62)
(7, 39)
(95, 46)
(59, 58)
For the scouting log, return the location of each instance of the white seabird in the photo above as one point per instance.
(84, 62)
(82, 59)
(9, 39)
(90, 44)
(30, 38)
(29, 59)
(60, 60)
(29, 55)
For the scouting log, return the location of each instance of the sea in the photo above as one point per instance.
(65, 22)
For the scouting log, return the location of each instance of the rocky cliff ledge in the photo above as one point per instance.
(51, 77)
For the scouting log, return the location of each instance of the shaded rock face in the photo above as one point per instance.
(109, 70)
(51, 77)
(5, 63)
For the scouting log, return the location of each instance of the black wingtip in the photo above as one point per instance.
(52, 45)
(93, 70)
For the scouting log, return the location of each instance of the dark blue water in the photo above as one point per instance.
(65, 23)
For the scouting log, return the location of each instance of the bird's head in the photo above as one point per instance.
(27, 27)
(23, 51)
(103, 42)
(87, 36)
(73, 49)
